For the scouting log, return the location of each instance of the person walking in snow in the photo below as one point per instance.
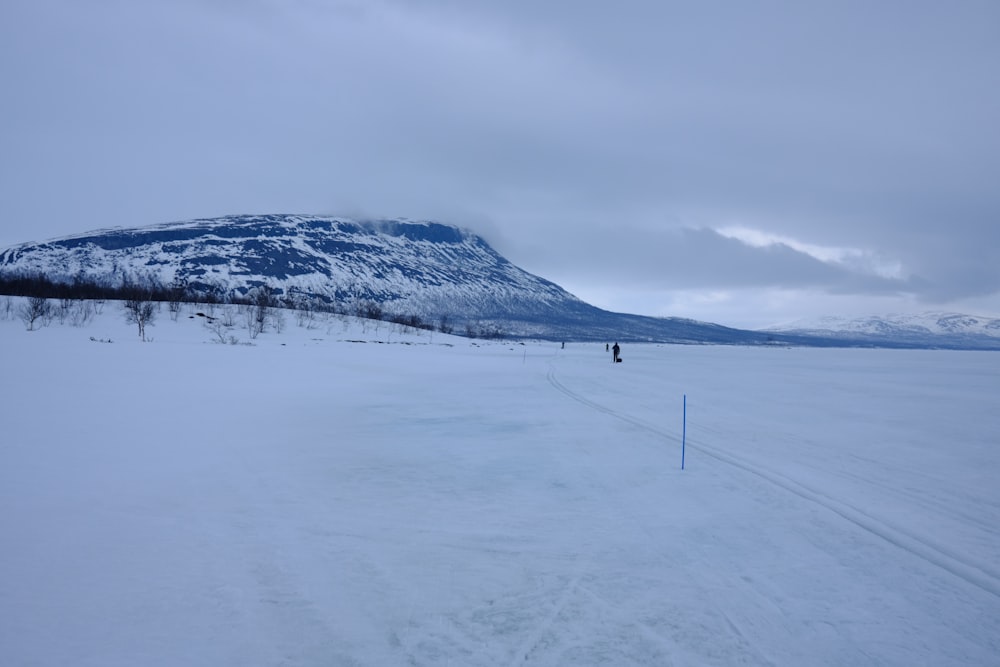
(614, 352)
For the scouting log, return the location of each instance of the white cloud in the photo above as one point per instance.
(854, 259)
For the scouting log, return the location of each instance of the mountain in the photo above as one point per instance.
(411, 269)
(931, 329)
(422, 269)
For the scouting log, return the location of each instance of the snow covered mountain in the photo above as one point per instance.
(408, 268)
(929, 329)
(417, 268)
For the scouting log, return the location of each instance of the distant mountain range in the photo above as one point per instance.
(424, 269)
(923, 330)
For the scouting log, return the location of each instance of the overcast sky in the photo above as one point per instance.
(746, 163)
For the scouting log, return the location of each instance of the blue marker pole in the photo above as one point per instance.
(684, 431)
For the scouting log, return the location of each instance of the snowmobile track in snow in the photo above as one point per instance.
(973, 573)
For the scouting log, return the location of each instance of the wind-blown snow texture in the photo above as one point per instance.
(351, 495)
(410, 268)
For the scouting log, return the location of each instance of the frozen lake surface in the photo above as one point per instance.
(351, 495)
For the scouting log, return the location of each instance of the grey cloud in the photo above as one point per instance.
(551, 127)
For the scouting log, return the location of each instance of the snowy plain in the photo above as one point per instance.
(345, 494)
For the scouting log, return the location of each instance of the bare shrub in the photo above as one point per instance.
(34, 311)
(276, 318)
(140, 309)
(177, 292)
(305, 314)
(81, 314)
(63, 309)
(220, 329)
(262, 302)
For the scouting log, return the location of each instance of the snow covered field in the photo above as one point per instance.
(421, 499)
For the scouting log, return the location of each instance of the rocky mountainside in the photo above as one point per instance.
(425, 269)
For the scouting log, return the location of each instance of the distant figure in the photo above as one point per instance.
(614, 351)
(564, 345)
(606, 347)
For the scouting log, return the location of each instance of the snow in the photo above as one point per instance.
(430, 500)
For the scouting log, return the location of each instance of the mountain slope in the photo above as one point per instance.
(412, 265)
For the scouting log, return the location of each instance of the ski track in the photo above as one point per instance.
(535, 638)
(973, 573)
(911, 497)
(917, 499)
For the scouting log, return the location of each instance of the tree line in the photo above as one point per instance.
(142, 296)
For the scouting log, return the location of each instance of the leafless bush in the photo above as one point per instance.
(305, 315)
(34, 311)
(305, 319)
(177, 291)
(63, 309)
(81, 314)
(262, 303)
(254, 321)
(369, 310)
(140, 310)
(276, 318)
(221, 330)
